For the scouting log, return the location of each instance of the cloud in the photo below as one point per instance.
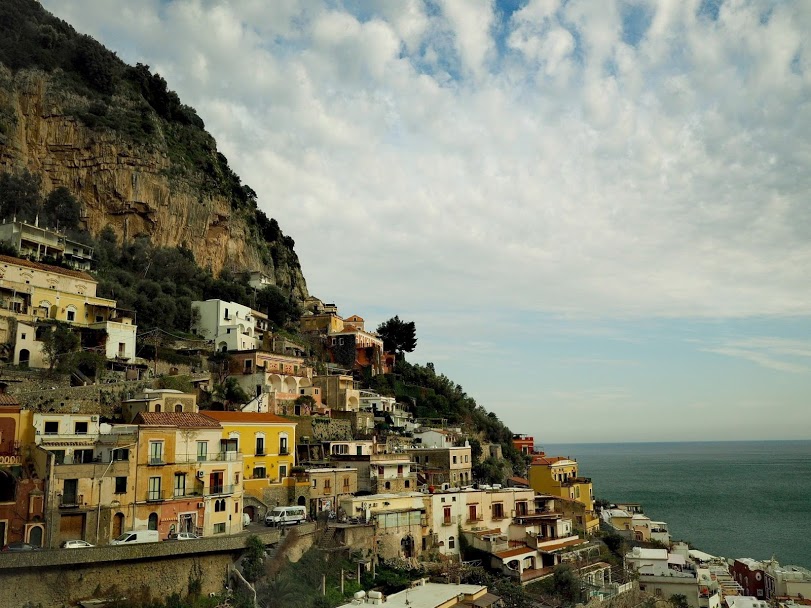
(565, 170)
(780, 354)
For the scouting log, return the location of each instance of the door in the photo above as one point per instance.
(69, 496)
(35, 536)
(118, 525)
(71, 527)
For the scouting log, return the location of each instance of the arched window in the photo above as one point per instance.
(153, 522)
(70, 313)
(451, 542)
(407, 483)
(158, 408)
(178, 407)
(388, 485)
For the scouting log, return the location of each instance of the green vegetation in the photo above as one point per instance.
(438, 396)
(58, 341)
(398, 336)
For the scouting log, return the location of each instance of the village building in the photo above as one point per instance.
(40, 244)
(559, 476)
(189, 478)
(275, 381)
(230, 326)
(438, 467)
(32, 293)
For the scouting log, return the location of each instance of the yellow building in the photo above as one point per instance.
(266, 443)
(321, 323)
(188, 478)
(558, 476)
(32, 292)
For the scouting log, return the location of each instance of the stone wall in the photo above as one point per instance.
(62, 576)
(104, 399)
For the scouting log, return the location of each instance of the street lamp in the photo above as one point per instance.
(112, 460)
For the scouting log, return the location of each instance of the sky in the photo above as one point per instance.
(596, 212)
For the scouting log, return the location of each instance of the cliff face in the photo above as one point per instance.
(132, 187)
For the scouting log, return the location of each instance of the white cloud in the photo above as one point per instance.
(780, 354)
(575, 173)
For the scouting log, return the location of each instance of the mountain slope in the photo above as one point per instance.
(137, 159)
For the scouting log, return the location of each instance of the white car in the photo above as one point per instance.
(183, 536)
(75, 544)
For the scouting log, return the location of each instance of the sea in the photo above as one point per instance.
(732, 499)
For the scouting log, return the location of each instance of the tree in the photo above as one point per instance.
(678, 601)
(62, 209)
(566, 585)
(398, 336)
(57, 340)
(253, 560)
(231, 392)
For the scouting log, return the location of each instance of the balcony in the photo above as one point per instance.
(451, 521)
(71, 501)
(157, 495)
(214, 457)
(284, 452)
(218, 490)
(156, 462)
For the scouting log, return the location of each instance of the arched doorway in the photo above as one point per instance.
(250, 512)
(153, 522)
(25, 357)
(301, 501)
(35, 536)
(118, 525)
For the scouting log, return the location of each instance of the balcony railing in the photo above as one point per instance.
(218, 490)
(156, 461)
(157, 495)
(284, 452)
(71, 501)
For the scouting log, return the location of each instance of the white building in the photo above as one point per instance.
(229, 325)
(423, 594)
(435, 438)
(665, 574)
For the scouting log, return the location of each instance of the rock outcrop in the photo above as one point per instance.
(132, 187)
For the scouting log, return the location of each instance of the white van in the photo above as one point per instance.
(133, 537)
(285, 516)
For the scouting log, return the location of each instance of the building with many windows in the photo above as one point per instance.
(189, 477)
(266, 444)
(559, 476)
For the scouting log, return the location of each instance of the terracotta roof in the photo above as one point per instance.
(486, 532)
(562, 545)
(247, 417)
(521, 480)
(547, 460)
(179, 419)
(46, 267)
(514, 552)
(6, 399)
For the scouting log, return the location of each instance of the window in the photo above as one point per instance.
(180, 484)
(202, 451)
(407, 483)
(52, 428)
(219, 528)
(260, 445)
(259, 473)
(282, 471)
(219, 505)
(346, 483)
(120, 485)
(82, 456)
(498, 511)
(388, 485)
(315, 483)
(454, 460)
(451, 542)
(121, 454)
(154, 488)
(152, 524)
(283, 444)
(23, 336)
(122, 349)
(59, 455)
(248, 366)
(80, 428)
(71, 315)
(155, 452)
(466, 458)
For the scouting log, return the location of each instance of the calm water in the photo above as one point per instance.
(735, 499)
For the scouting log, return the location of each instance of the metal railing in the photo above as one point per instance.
(71, 500)
(218, 490)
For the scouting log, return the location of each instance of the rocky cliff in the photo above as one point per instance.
(136, 187)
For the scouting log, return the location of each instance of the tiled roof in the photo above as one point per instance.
(514, 552)
(247, 417)
(189, 420)
(547, 460)
(6, 399)
(562, 545)
(7, 259)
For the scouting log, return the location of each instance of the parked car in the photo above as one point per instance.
(20, 546)
(286, 516)
(135, 537)
(182, 536)
(75, 544)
